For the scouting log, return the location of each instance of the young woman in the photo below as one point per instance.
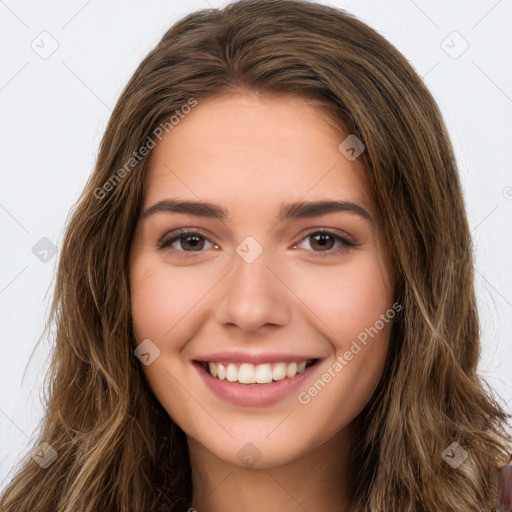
(265, 294)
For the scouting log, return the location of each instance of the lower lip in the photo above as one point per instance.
(255, 395)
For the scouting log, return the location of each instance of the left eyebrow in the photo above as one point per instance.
(287, 211)
(303, 209)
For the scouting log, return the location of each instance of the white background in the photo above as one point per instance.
(53, 112)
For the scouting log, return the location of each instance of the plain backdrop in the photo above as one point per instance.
(62, 68)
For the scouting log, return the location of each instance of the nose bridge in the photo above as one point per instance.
(253, 295)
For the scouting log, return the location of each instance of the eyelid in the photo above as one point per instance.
(347, 241)
(175, 234)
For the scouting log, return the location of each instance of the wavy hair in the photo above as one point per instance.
(117, 448)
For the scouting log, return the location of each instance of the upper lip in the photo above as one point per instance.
(244, 357)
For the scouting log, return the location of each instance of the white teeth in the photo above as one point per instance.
(263, 373)
(231, 372)
(248, 373)
(291, 370)
(221, 371)
(279, 372)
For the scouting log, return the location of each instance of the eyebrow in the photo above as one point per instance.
(287, 211)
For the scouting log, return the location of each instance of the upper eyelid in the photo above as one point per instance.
(173, 237)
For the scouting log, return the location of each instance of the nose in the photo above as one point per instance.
(253, 295)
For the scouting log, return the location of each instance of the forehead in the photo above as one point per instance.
(242, 147)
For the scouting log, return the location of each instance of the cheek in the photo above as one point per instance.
(151, 302)
(350, 299)
(163, 301)
(351, 306)
(161, 297)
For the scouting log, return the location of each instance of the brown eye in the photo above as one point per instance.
(193, 241)
(189, 241)
(323, 243)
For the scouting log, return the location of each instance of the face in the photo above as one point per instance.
(292, 302)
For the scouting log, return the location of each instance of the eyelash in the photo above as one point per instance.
(173, 236)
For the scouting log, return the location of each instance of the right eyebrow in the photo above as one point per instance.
(199, 208)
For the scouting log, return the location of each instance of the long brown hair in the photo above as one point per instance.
(117, 449)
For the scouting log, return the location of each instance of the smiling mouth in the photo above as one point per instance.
(248, 373)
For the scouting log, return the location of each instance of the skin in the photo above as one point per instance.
(249, 153)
